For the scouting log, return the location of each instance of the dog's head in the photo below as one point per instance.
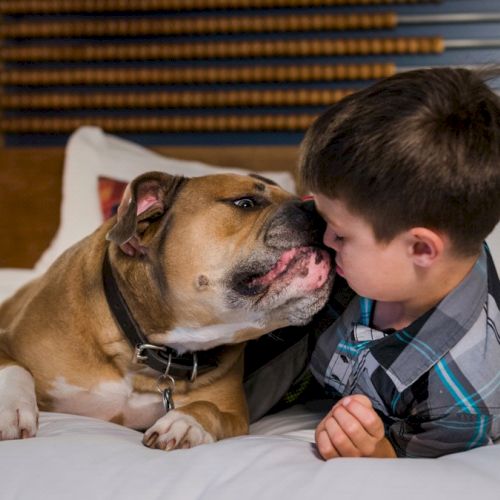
(225, 250)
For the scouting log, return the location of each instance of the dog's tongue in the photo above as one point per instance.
(278, 269)
(310, 265)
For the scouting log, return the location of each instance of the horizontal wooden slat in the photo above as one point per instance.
(74, 6)
(148, 26)
(203, 123)
(181, 99)
(271, 73)
(228, 49)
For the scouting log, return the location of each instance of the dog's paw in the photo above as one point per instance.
(176, 430)
(18, 408)
(18, 422)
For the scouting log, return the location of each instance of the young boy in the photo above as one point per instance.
(406, 174)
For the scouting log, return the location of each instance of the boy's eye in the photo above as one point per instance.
(335, 236)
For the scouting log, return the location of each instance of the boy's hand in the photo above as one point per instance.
(352, 428)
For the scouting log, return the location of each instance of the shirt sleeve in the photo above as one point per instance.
(431, 438)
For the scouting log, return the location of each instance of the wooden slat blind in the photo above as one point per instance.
(142, 65)
(193, 74)
(183, 99)
(210, 25)
(71, 6)
(269, 122)
(225, 49)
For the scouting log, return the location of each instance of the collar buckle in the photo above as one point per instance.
(139, 357)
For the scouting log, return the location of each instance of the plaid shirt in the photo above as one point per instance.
(436, 383)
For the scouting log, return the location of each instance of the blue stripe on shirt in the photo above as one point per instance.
(366, 306)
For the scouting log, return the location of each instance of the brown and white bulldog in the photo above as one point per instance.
(144, 322)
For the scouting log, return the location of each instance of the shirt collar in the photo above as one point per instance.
(409, 353)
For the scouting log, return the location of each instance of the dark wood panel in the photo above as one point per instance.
(30, 197)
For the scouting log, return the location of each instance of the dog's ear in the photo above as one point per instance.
(145, 200)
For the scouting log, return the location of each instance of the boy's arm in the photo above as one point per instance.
(352, 428)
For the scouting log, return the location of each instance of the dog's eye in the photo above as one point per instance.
(245, 203)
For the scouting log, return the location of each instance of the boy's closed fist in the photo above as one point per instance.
(352, 428)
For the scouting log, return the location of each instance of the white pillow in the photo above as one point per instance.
(90, 153)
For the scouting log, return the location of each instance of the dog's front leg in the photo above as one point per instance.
(200, 422)
(18, 408)
(217, 411)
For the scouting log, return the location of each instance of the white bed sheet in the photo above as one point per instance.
(79, 458)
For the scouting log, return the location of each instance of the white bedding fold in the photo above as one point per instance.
(79, 458)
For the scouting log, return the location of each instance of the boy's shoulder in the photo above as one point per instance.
(481, 284)
(456, 329)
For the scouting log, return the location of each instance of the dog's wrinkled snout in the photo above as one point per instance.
(295, 223)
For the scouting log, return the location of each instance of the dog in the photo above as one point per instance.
(144, 322)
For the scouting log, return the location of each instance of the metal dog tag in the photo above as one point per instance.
(168, 400)
(166, 386)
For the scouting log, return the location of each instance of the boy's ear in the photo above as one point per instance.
(426, 246)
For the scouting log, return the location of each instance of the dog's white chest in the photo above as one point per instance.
(108, 400)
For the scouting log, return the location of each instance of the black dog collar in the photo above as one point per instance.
(161, 358)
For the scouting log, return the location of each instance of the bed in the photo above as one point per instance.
(81, 458)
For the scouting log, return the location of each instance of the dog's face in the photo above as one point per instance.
(235, 250)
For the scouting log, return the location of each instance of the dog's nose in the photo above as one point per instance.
(317, 224)
(295, 223)
(307, 204)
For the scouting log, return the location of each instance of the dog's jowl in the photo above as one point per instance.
(144, 322)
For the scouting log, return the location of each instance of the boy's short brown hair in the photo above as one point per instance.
(421, 148)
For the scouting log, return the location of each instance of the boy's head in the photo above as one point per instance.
(421, 148)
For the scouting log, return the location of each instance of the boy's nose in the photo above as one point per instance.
(330, 239)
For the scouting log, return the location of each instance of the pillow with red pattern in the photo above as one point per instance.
(110, 194)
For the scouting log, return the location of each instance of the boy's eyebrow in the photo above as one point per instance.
(330, 222)
(323, 216)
